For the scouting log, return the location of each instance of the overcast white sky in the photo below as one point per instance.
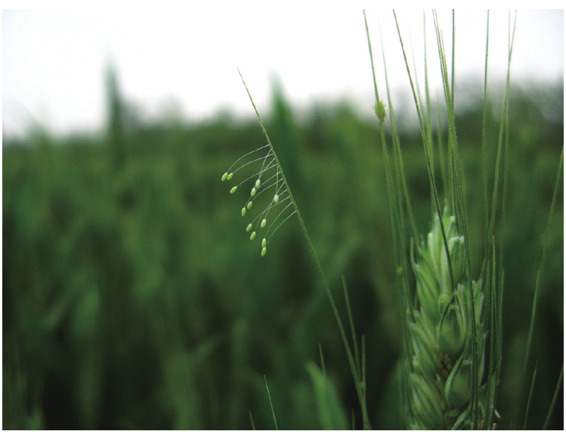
(54, 59)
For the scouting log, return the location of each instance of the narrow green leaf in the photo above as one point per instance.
(543, 258)
(330, 411)
(484, 142)
(270, 403)
(554, 398)
(322, 364)
(531, 391)
(351, 321)
(540, 273)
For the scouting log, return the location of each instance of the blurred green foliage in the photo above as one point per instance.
(132, 297)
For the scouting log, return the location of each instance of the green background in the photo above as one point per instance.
(133, 298)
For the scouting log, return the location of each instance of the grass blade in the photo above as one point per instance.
(351, 321)
(502, 150)
(494, 333)
(270, 403)
(543, 258)
(540, 270)
(531, 390)
(484, 142)
(322, 365)
(453, 54)
(330, 411)
(554, 398)
(364, 381)
(507, 134)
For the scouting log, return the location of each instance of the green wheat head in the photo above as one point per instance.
(440, 361)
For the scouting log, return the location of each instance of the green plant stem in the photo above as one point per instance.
(355, 373)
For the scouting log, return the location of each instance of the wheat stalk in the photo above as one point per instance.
(451, 323)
